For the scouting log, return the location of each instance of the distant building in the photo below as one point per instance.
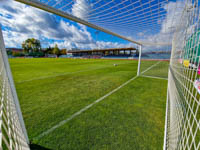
(14, 49)
(51, 55)
(75, 49)
(104, 52)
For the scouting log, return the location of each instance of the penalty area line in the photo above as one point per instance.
(150, 67)
(154, 77)
(83, 110)
(87, 107)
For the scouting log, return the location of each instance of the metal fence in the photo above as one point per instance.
(183, 112)
(13, 134)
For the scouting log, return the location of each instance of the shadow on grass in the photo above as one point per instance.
(38, 147)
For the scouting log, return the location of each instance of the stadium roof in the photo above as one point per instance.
(102, 50)
(132, 20)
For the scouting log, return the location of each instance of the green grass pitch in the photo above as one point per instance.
(51, 90)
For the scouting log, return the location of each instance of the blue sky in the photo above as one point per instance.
(20, 22)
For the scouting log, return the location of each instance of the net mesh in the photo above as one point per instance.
(128, 18)
(11, 133)
(155, 63)
(177, 21)
(183, 118)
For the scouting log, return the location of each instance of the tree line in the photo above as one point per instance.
(32, 47)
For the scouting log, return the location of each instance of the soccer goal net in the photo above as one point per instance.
(179, 63)
(183, 112)
(12, 131)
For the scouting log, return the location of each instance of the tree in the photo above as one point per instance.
(17, 54)
(31, 45)
(49, 50)
(56, 50)
(9, 52)
(63, 51)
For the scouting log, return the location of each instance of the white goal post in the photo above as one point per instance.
(13, 135)
(182, 125)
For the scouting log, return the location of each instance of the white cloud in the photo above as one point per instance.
(81, 9)
(174, 11)
(26, 22)
(22, 22)
(92, 45)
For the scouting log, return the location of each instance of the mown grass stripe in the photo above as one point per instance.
(67, 73)
(87, 107)
(84, 109)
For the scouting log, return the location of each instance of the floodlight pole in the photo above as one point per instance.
(12, 85)
(139, 59)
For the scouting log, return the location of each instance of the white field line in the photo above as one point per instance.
(63, 74)
(85, 108)
(150, 67)
(166, 122)
(154, 77)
